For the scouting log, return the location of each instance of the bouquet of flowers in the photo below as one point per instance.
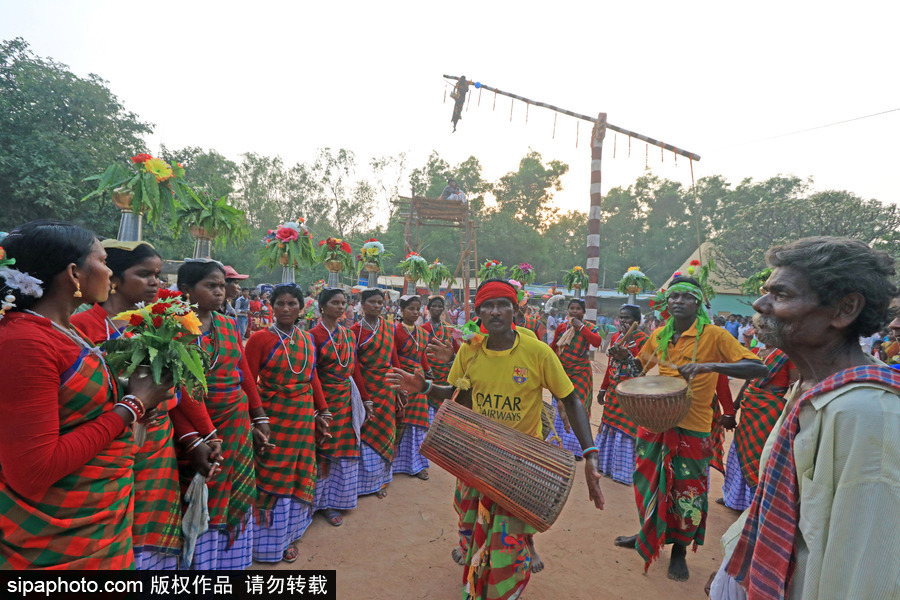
(370, 256)
(336, 254)
(415, 268)
(492, 269)
(161, 335)
(438, 274)
(150, 184)
(575, 278)
(523, 272)
(634, 282)
(289, 244)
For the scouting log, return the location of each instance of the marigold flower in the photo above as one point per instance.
(160, 169)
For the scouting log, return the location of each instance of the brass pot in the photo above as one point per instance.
(372, 267)
(633, 289)
(334, 266)
(283, 259)
(576, 286)
(201, 233)
(122, 198)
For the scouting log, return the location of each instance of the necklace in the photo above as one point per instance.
(336, 351)
(413, 335)
(213, 341)
(438, 331)
(374, 330)
(282, 336)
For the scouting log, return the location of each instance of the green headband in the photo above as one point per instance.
(667, 332)
(683, 287)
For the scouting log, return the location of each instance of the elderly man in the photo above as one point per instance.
(672, 473)
(823, 523)
(503, 378)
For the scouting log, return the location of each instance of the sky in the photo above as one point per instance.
(725, 80)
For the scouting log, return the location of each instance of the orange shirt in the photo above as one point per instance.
(715, 345)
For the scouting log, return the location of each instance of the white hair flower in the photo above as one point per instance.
(25, 283)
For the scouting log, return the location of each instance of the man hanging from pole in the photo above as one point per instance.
(459, 96)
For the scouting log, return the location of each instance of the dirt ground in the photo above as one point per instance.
(399, 547)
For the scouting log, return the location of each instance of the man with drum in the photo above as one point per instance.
(823, 522)
(503, 377)
(671, 476)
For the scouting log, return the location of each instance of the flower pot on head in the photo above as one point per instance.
(130, 223)
(334, 266)
(633, 289)
(372, 267)
(283, 259)
(576, 286)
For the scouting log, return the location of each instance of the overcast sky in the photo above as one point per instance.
(717, 78)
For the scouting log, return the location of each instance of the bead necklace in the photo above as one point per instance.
(336, 351)
(373, 329)
(283, 336)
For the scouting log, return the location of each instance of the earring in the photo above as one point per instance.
(112, 289)
(77, 293)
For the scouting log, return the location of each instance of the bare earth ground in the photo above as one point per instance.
(399, 547)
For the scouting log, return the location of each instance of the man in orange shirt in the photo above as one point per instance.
(670, 480)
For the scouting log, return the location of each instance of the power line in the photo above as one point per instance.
(775, 137)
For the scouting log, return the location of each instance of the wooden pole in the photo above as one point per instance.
(593, 238)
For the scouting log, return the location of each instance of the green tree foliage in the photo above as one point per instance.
(55, 129)
(205, 169)
(528, 192)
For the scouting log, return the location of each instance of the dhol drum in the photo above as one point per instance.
(528, 477)
(656, 402)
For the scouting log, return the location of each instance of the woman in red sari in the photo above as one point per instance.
(375, 353)
(157, 497)
(232, 401)
(66, 455)
(338, 481)
(615, 439)
(436, 328)
(282, 361)
(573, 354)
(413, 421)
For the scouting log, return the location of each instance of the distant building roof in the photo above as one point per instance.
(724, 276)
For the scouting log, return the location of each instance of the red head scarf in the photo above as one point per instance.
(496, 289)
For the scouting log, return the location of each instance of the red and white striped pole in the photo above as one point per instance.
(593, 238)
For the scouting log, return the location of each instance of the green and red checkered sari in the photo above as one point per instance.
(577, 364)
(157, 494)
(440, 370)
(761, 405)
(232, 492)
(410, 351)
(613, 414)
(289, 469)
(334, 364)
(84, 520)
(535, 324)
(373, 351)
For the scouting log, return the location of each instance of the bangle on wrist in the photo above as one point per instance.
(129, 409)
(181, 439)
(587, 451)
(428, 387)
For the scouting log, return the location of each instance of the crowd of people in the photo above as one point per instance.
(312, 403)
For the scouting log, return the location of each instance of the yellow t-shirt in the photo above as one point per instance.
(525, 331)
(716, 345)
(507, 385)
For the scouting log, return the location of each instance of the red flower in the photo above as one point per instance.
(346, 247)
(136, 320)
(322, 243)
(160, 309)
(140, 159)
(167, 294)
(371, 240)
(157, 321)
(676, 274)
(695, 263)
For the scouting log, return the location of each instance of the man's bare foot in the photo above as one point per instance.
(458, 557)
(626, 541)
(678, 569)
(537, 565)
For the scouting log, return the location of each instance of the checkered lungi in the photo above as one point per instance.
(211, 553)
(150, 560)
(288, 521)
(738, 495)
(569, 441)
(337, 489)
(406, 457)
(374, 471)
(617, 458)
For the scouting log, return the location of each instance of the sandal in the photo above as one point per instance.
(291, 554)
(333, 516)
(423, 475)
(381, 493)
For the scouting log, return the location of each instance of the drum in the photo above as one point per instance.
(656, 402)
(528, 477)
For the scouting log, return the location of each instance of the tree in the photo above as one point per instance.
(205, 169)
(347, 204)
(56, 129)
(528, 192)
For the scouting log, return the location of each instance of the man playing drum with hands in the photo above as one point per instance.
(670, 479)
(502, 377)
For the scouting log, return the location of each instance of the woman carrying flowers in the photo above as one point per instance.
(157, 498)
(572, 342)
(338, 480)
(376, 354)
(282, 361)
(412, 422)
(232, 401)
(66, 457)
